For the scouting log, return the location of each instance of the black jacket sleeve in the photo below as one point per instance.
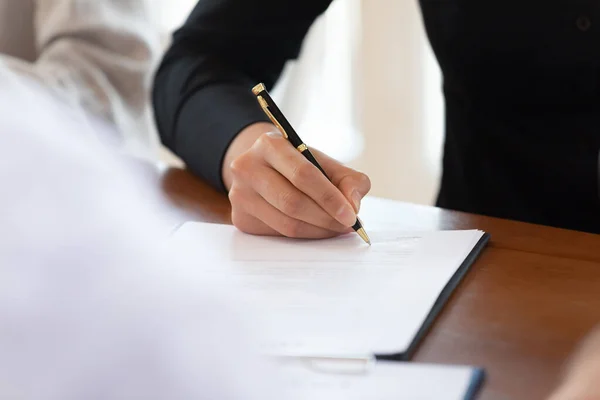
(202, 92)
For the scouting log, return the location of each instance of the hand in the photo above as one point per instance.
(582, 381)
(274, 190)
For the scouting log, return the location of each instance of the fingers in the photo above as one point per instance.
(353, 184)
(307, 178)
(285, 197)
(275, 190)
(256, 216)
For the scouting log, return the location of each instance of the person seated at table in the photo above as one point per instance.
(522, 113)
(95, 55)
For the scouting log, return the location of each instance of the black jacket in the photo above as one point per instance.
(521, 82)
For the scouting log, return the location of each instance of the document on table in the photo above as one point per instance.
(384, 381)
(339, 296)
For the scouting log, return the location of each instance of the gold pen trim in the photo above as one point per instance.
(265, 107)
(302, 148)
(363, 235)
(258, 89)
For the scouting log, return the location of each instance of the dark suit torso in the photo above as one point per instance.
(521, 83)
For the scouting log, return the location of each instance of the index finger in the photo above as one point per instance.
(290, 163)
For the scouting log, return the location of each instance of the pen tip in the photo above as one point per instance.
(363, 234)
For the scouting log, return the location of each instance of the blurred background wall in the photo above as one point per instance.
(366, 89)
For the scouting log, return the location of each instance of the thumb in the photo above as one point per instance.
(353, 184)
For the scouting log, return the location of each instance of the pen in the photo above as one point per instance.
(277, 117)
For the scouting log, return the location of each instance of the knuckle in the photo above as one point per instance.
(329, 198)
(291, 204)
(261, 142)
(335, 226)
(292, 228)
(239, 165)
(267, 142)
(302, 174)
(236, 196)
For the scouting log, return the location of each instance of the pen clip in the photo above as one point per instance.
(265, 106)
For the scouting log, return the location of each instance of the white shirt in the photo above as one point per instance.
(90, 306)
(97, 55)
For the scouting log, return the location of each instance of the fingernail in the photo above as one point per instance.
(346, 216)
(356, 199)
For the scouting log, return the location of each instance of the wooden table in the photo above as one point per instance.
(529, 300)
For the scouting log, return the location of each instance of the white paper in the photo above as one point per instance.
(384, 381)
(337, 296)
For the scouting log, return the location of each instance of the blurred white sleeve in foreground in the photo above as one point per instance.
(90, 308)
